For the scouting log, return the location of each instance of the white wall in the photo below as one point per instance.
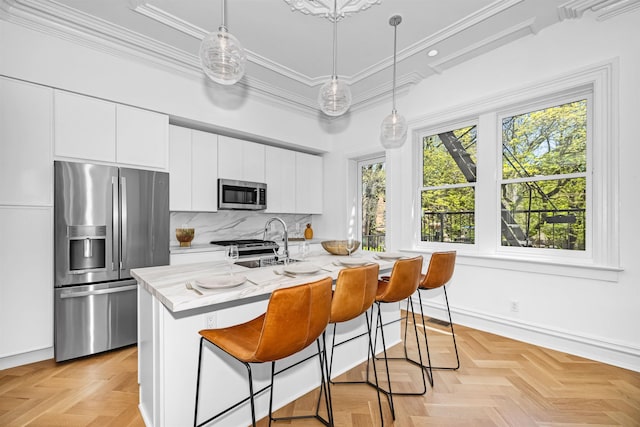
(594, 318)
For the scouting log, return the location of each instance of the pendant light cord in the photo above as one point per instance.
(224, 21)
(335, 39)
(395, 34)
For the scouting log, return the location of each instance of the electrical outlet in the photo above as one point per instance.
(515, 306)
(210, 321)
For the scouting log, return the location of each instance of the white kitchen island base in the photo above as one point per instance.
(168, 345)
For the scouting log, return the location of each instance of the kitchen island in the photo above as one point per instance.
(170, 316)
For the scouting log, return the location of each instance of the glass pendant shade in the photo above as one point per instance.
(222, 56)
(334, 97)
(393, 132)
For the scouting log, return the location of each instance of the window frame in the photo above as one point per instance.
(602, 261)
(420, 135)
(359, 164)
(531, 106)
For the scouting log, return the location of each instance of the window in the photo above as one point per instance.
(543, 192)
(372, 187)
(448, 186)
(545, 187)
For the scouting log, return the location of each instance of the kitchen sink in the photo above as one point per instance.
(263, 262)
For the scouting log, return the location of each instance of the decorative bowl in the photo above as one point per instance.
(338, 247)
(185, 236)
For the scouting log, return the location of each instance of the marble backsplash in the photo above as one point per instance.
(226, 225)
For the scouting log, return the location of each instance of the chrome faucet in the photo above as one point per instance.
(285, 234)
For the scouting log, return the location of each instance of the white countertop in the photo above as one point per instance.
(167, 283)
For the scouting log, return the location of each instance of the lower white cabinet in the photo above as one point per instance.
(193, 170)
(26, 282)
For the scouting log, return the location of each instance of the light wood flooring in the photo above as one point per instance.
(502, 382)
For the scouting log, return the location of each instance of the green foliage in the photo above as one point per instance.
(544, 145)
(373, 199)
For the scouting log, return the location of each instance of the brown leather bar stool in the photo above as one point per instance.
(403, 282)
(439, 273)
(295, 318)
(354, 295)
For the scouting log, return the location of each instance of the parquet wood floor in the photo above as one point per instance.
(502, 382)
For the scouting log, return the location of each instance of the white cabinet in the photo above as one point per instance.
(85, 127)
(309, 179)
(26, 282)
(141, 137)
(280, 170)
(204, 171)
(240, 159)
(193, 160)
(179, 168)
(294, 181)
(26, 170)
(91, 129)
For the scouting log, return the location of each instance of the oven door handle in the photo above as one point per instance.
(72, 294)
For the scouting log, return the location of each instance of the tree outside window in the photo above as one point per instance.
(544, 178)
(448, 186)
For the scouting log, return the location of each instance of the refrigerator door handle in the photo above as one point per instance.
(123, 222)
(114, 222)
(72, 294)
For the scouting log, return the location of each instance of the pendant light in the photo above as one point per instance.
(222, 56)
(393, 131)
(335, 96)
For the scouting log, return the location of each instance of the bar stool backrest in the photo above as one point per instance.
(295, 318)
(355, 292)
(403, 282)
(440, 270)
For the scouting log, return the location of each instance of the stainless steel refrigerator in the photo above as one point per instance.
(107, 221)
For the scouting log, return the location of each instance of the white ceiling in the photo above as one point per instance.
(290, 53)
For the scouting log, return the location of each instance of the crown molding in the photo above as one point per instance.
(603, 9)
(508, 35)
(55, 19)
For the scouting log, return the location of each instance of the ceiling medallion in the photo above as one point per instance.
(325, 8)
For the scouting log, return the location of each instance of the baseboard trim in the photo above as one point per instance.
(618, 354)
(26, 358)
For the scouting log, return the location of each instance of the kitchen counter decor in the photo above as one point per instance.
(338, 247)
(185, 236)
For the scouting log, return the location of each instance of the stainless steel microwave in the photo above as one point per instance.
(242, 195)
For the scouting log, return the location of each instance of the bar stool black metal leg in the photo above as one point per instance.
(195, 415)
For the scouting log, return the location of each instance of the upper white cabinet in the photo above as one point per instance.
(179, 168)
(87, 128)
(141, 137)
(240, 159)
(26, 168)
(309, 178)
(294, 181)
(280, 170)
(193, 160)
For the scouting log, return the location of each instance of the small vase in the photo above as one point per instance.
(308, 232)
